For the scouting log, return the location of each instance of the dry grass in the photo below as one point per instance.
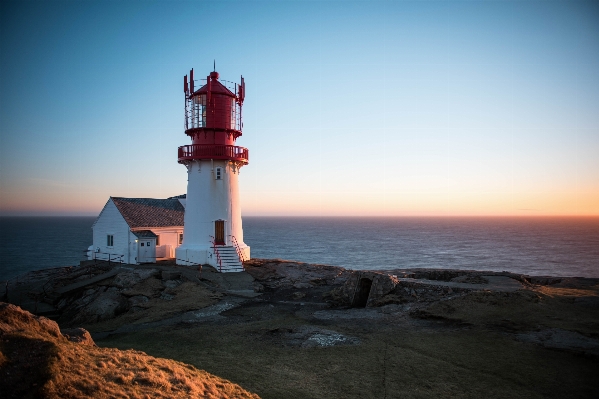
(396, 359)
(568, 292)
(105, 373)
(523, 310)
(71, 370)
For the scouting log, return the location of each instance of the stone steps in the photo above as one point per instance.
(229, 259)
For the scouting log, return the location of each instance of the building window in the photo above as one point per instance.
(109, 240)
(142, 244)
(157, 240)
(219, 173)
(180, 238)
(148, 244)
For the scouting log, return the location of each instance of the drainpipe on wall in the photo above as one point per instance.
(128, 246)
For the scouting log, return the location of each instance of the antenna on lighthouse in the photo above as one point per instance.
(209, 89)
(185, 87)
(191, 80)
(214, 67)
(242, 90)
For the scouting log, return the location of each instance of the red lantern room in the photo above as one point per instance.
(213, 120)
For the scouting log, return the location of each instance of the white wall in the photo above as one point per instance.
(168, 235)
(208, 200)
(168, 240)
(112, 222)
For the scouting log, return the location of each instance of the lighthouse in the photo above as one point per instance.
(212, 231)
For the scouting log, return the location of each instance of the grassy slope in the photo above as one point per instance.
(37, 361)
(400, 359)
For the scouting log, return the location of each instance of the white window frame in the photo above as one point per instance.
(110, 240)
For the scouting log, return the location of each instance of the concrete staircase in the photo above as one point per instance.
(229, 258)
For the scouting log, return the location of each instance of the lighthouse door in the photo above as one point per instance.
(219, 232)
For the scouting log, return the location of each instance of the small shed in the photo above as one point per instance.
(138, 230)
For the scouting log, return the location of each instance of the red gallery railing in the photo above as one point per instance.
(213, 151)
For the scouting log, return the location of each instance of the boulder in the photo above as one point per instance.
(137, 300)
(131, 278)
(298, 295)
(167, 297)
(171, 274)
(278, 273)
(382, 284)
(172, 283)
(302, 285)
(78, 335)
(150, 287)
(105, 305)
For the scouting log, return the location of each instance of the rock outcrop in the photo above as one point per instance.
(37, 360)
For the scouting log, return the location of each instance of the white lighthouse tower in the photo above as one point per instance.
(212, 227)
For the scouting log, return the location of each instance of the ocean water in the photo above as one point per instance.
(32, 243)
(535, 246)
(558, 246)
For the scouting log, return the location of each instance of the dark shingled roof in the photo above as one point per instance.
(150, 212)
(144, 234)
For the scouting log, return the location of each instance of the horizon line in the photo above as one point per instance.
(351, 216)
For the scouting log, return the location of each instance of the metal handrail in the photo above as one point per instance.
(213, 151)
(110, 259)
(238, 249)
(215, 250)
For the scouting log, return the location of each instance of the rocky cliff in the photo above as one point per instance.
(38, 360)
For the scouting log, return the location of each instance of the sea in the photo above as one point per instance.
(540, 246)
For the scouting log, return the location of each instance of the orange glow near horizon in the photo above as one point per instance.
(416, 204)
(53, 200)
(27, 200)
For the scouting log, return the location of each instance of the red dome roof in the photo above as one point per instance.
(216, 87)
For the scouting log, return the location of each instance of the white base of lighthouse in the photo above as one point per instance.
(212, 231)
(225, 259)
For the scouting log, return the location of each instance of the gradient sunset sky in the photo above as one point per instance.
(353, 108)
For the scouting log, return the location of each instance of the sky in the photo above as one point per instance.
(353, 108)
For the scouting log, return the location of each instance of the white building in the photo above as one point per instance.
(213, 227)
(205, 227)
(138, 230)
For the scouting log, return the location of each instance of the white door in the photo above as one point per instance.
(146, 250)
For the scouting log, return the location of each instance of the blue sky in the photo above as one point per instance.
(352, 108)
